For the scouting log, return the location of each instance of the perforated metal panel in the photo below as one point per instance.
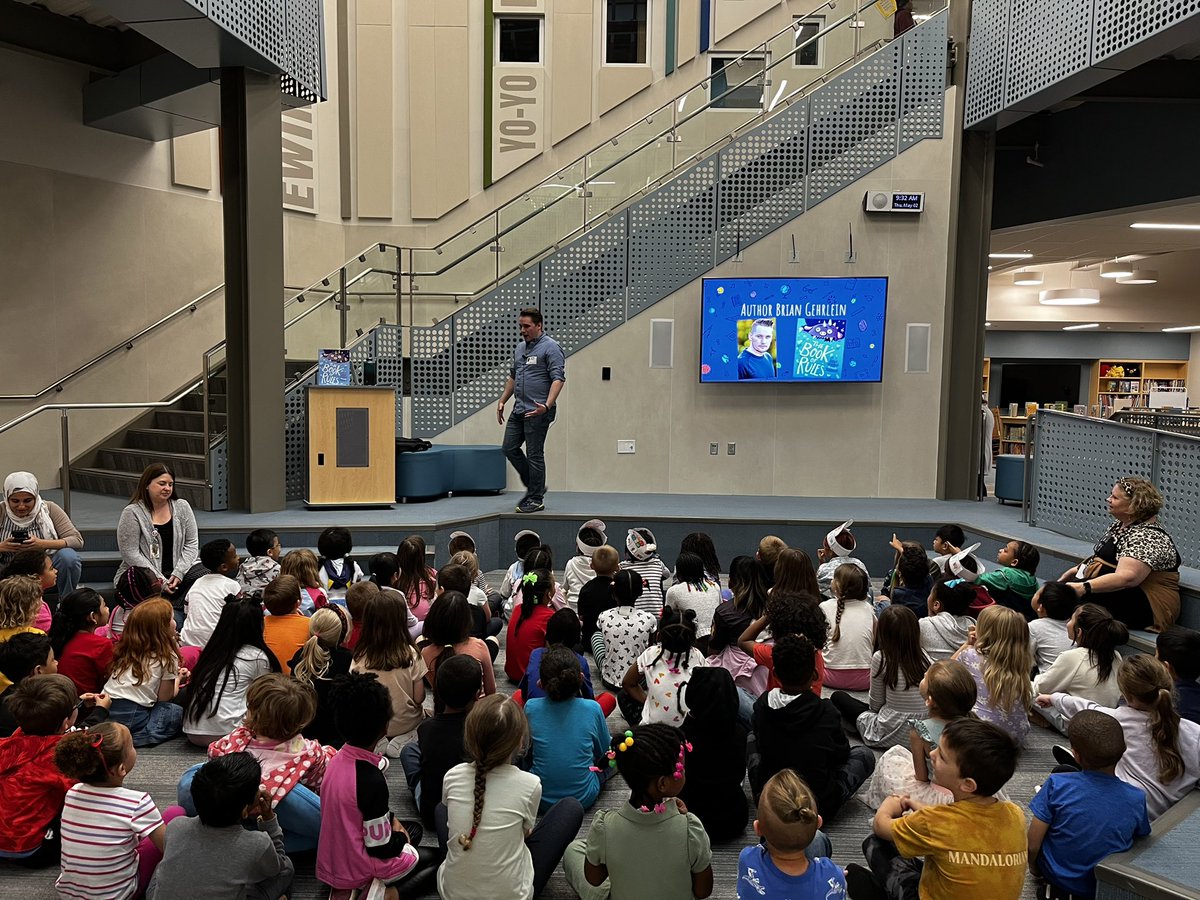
(432, 366)
(922, 82)
(259, 24)
(389, 364)
(583, 285)
(1178, 477)
(1122, 23)
(306, 57)
(987, 57)
(853, 128)
(762, 180)
(1077, 461)
(218, 466)
(487, 332)
(1055, 42)
(295, 436)
(671, 232)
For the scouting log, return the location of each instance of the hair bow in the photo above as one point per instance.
(530, 578)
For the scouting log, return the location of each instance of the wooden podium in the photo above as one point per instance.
(351, 446)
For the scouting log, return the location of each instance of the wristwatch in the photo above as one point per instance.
(1087, 587)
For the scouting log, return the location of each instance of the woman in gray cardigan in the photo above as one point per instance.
(158, 531)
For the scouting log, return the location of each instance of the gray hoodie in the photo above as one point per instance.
(139, 543)
(943, 634)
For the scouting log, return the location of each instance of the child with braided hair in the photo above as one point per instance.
(791, 860)
(490, 806)
(651, 846)
(650, 689)
(851, 618)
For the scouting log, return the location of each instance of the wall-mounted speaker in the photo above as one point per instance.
(662, 343)
(916, 347)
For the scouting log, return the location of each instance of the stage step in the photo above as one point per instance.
(117, 483)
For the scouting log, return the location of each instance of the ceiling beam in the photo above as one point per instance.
(32, 29)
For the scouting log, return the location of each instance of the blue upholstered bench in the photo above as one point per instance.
(449, 469)
(1010, 477)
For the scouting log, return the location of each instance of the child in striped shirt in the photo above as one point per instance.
(112, 837)
(643, 558)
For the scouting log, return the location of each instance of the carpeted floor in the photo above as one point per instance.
(158, 770)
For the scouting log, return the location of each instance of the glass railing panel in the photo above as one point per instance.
(368, 300)
(542, 217)
(315, 324)
(462, 265)
(616, 174)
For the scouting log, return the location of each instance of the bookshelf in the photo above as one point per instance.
(1012, 434)
(1117, 379)
(987, 376)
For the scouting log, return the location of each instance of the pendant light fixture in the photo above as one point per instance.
(1116, 269)
(1025, 278)
(1140, 276)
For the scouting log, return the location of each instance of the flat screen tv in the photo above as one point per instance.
(792, 329)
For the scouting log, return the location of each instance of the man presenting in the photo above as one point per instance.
(535, 378)
(755, 361)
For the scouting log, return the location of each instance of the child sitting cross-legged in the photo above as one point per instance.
(837, 550)
(909, 583)
(1014, 583)
(650, 846)
(206, 598)
(1048, 633)
(147, 675)
(949, 623)
(448, 634)
(286, 629)
(792, 859)
(303, 566)
(650, 689)
(361, 841)
(439, 744)
(973, 849)
(1079, 818)
(293, 767)
(1089, 669)
(795, 729)
(851, 619)
(641, 556)
(563, 630)
(787, 612)
(212, 855)
(337, 570)
(997, 655)
(487, 824)
(717, 760)
(261, 565)
(318, 663)
(83, 656)
(386, 650)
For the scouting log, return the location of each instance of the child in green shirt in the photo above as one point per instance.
(1014, 583)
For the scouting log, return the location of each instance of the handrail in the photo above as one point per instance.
(126, 344)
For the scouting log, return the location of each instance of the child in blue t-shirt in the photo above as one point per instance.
(569, 734)
(1079, 818)
(792, 860)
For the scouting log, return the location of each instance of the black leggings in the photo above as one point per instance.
(1129, 605)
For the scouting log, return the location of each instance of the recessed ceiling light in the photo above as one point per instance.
(1184, 328)
(1140, 276)
(1028, 279)
(1115, 270)
(1081, 327)
(1166, 226)
(1010, 256)
(1069, 297)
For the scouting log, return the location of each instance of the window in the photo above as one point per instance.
(810, 54)
(519, 39)
(729, 72)
(625, 28)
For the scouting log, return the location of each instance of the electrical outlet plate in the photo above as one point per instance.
(714, 448)
(731, 448)
(626, 446)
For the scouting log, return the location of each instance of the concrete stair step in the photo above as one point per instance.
(164, 440)
(195, 402)
(129, 459)
(117, 483)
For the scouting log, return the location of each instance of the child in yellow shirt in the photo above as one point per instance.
(972, 849)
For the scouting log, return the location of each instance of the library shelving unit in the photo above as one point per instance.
(987, 375)
(1124, 379)
(1012, 434)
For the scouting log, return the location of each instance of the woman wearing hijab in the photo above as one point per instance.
(30, 523)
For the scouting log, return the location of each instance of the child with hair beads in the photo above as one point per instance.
(488, 822)
(793, 729)
(112, 837)
(897, 669)
(215, 702)
(134, 586)
(642, 557)
(974, 847)
(527, 627)
(147, 674)
(416, 580)
(624, 631)
(1049, 635)
(448, 633)
(204, 601)
(293, 767)
(83, 656)
(1014, 583)
(569, 733)
(949, 693)
(37, 565)
(578, 570)
(791, 860)
(851, 619)
(1089, 669)
(662, 668)
(361, 841)
(19, 600)
(1079, 818)
(908, 584)
(837, 550)
(692, 590)
(285, 630)
(261, 565)
(787, 613)
(439, 744)
(317, 664)
(563, 630)
(717, 762)
(998, 658)
(650, 846)
(1162, 755)
(524, 542)
(303, 566)
(702, 545)
(948, 624)
(1178, 649)
(337, 571)
(32, 789)
(596, 596)
(212, 855)
(386, 650)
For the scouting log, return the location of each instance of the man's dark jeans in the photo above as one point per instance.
(530, 464)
